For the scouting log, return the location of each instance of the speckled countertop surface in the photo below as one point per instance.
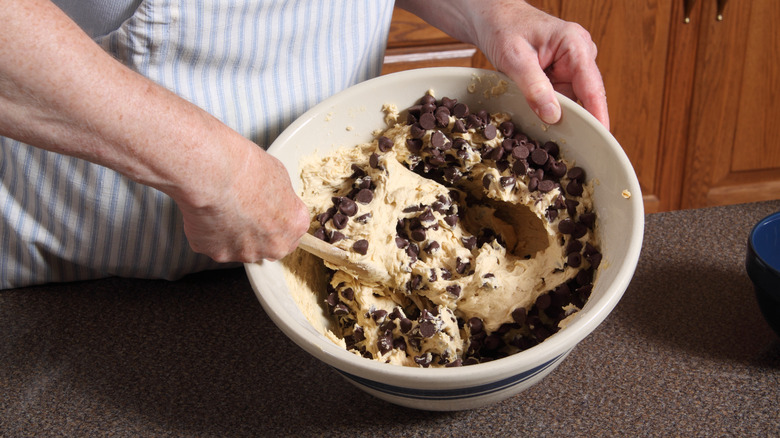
(686, 352)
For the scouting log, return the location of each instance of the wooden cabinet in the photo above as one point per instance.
(694, 104)
(414, 44)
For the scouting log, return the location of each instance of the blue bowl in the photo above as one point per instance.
(763, 267)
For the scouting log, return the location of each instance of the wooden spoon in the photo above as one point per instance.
(340, 258)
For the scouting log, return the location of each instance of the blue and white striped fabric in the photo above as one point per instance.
(254, 64)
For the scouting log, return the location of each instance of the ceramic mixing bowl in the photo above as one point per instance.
(351, 117)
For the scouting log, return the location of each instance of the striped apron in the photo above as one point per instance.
(254, 64)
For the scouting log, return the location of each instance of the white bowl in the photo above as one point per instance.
(351, 117)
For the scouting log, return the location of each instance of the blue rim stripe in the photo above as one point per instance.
(452, 394)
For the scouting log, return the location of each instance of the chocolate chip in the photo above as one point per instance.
(417, 132)
(405, 325)
(594, 260)
(427, 99)
(400, 242)
(573, 246)
(427, 121)
(385, 342)
(427, 329)
(486, 180)
(546, 185)
(494, 154)
(539, 157)
(574, 188)
(584, 277)
(373, 160)
(348, 294)
(461, 266)
(460, 110)
(588, 219)
(579, 230)
(507, 181)
(442, 115)
(322, 218)
(347, 206)
(414, 145)
(364, 196)
(418, 234)
(533, 183)
(340, 310)
(451, 219)
(543, 301)
(459, 126)
(413, 251)
(438, 139)
(574, 260)
(361, 246)
(557, 169)
(576, 174)
(378, 315)
(469, 242)
(427, 216)
(363, 218)
(332, 299)
(519, 315)
(519, 167)
(454, 289)
(475, 325)
(424, 360)
(358, 334)
(490, 131)
(385, 144)
(571, 206)
(414, 283)
(448, 103)
(340, 221)
(507, 128)
(445, 274)
(432, 247)
(566, 226)
(552, 148)
(335, 236)
(484, 116)
(321, 234)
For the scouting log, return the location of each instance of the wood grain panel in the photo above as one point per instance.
(757, 144)
(735, 93)
(633, 40)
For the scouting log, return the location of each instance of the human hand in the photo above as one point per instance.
(257, 215)
(541, 53)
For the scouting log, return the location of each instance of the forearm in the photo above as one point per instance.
(61, 92)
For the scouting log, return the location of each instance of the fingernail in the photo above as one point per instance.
(549, 113)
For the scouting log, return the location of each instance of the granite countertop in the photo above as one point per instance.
(686, 352)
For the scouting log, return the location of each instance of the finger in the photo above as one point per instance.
(589, 89)
(524, 68)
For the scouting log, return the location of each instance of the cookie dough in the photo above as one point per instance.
(489, 237)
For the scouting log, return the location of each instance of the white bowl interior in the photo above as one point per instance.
(352, 116)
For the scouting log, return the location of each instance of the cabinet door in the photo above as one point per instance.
(734, 143)
(633, 39)
(412, 43)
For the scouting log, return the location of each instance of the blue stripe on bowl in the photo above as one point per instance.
(455, 393)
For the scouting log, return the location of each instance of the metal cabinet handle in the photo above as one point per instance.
(721, 6)
(687, 8)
